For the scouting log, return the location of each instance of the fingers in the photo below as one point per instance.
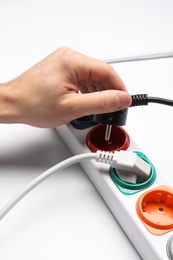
(106, 76)
(103, 75)
(100, 102)
(89, 71)
(88, 87)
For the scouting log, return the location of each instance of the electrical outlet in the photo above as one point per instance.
(131, 204)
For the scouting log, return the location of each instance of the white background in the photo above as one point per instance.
(65, 217)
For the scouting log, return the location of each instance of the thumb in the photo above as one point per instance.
(106, 101)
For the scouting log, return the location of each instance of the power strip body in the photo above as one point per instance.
(122, 206)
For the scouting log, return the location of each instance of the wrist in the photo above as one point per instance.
(8, 103)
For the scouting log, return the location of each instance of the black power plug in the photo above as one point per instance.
(117, 118)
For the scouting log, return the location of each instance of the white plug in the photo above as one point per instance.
(129, 165)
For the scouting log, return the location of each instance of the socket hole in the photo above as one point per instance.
(161, 209)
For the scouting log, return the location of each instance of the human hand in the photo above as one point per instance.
(47, 95)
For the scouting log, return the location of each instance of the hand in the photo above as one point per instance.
(47, 95)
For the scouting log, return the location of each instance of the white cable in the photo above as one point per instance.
(122, 160)
(151, 56)
(58, 167)
(104, 157)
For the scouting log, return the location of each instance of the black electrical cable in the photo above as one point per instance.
(143, 99)
(162, 101)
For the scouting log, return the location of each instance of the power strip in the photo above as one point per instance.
(144, 210)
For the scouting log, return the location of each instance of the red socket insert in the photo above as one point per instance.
(119, 139)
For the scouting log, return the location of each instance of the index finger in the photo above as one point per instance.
(93, 71)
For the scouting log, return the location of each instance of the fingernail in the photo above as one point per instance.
(123, 99)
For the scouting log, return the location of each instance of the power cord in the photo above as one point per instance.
(122, 160)
(143, 99)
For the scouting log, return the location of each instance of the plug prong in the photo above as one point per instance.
(108, 132)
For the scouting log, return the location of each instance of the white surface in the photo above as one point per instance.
(65, 218)
(101, 28)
